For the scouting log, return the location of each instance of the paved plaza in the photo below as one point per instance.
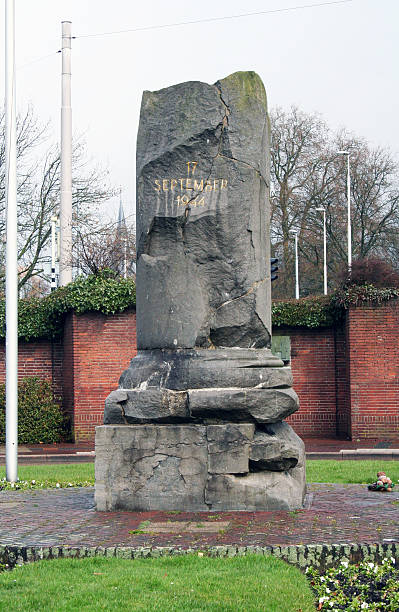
(334, 514)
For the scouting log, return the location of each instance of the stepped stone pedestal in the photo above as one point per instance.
(197, 421)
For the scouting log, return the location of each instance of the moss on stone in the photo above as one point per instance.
(247, 85)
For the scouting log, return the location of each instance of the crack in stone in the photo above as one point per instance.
(146, 481)
(123, 413)
(251, 237)
(226, 106)
(240, 161)
(226, 122)
(254, 286)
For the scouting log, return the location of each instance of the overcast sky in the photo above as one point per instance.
(340, 60)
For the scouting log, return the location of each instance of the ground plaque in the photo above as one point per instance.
(197, 420)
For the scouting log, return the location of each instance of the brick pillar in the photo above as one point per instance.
(373, 361)
(344, 427)
(313, 370)
(97, 348)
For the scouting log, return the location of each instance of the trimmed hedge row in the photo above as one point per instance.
(307, 312)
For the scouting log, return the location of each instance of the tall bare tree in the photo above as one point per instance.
(38, 194)
(307, 173)
(107, 247)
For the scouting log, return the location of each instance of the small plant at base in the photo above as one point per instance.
(25, 485)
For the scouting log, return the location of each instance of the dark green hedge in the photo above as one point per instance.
(306, 312)
(43, 317)
(325, 311)
(40, 418)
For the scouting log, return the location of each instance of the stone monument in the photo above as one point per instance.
(197, 421)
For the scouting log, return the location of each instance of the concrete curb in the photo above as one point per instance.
(78, 457)
(321, 556)
(358, 454)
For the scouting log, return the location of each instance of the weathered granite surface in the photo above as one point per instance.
(159, 405)
(201, 467)
(202, 216)
(200, 368)
(196, 422)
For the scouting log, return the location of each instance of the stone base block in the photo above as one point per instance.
(198, 468)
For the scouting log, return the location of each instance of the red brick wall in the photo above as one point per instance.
(314, 370)
(97, 350)
(41, 358)
(373, 333)
(347, 378)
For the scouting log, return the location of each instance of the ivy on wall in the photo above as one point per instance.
(44, 317)
(307, 312)
(108, 294)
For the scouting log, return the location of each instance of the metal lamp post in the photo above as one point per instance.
(323, 210)
(348, 196)
(295, 232)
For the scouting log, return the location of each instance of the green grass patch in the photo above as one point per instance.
(174, 584)
(82, 474)
(350, 472)
(48, 476)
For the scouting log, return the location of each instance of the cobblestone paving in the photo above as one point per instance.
(334, 514)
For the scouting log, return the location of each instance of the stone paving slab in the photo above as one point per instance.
(66, 517)
(169, 526)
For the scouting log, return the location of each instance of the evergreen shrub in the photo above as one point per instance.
(40, 417)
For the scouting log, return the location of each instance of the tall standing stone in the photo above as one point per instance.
(197, 420)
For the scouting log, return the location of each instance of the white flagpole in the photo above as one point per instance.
(11, 252)
(66, 159)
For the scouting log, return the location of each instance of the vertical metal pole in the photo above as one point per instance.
(125, 257)
(66, 159)
(296, 267)
(348, 186)
(325, 252)
(122, 233)
(53, 252)
(11, 251)
(58, 235)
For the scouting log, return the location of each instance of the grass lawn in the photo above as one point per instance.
(194, 583)
(316, 471)
(350, 471)
(53, 473)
